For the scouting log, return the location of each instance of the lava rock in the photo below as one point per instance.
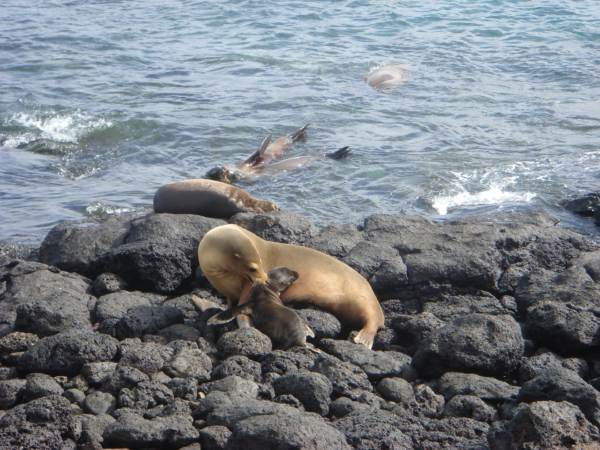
(108, 283)
(123, 377)
(214, 438)
(185, 388)
(586, 206)
(41, 385)
(280, 226)
(21, 426)
(189, 362)
(532, 366)
(470, 407)
(424, 403)
(115, 305)
(246, 342)
(312, 389)
(486, 388)
(289, 361)
(141, 320)
(286, 431)
(322, 323)
(396, 390)
(544, 425)
(146, 395)
(337, 240)
(452, 306)
(563, 384)
(342, 375)
(11, 392)
(147, 357)
(133, 431)
(563, 328)
(237, 365)
(99, 403)
(344, 406)
(376, 364)
(67, 353)
(179, 332)
(485, 344)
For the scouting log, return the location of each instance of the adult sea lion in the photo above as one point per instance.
(388, 77)
(233, 258)
(266, 153)
(207, 198)
(282, 324)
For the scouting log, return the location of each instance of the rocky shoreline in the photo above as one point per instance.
(492, 340)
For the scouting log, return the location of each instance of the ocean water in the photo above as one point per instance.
(102, 102)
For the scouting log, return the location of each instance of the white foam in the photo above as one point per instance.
(492, 196)
(60, 127)
(98, 208)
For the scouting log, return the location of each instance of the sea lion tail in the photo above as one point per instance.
(339, 154)
(258, 153)
(300, 134)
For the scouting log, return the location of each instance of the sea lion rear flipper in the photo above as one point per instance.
(258, 153)
(230, 314)
(300, 134)
(309, 330)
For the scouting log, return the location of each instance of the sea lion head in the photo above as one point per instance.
(225, 252)
(265, 206)
(280, 278)
(222, 174)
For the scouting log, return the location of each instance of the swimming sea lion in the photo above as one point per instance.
(266, 153)
(207, 198)
(388, 77)
(301, 161)
(282, 324)
(233, 258)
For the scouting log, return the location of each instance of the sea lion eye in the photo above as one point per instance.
(252, 269)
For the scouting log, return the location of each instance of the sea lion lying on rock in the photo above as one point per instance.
(282, 324)
(207, 198)
(233, 258)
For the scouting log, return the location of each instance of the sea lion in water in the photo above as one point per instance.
(388, 77)
(266, 153)
(282, 324)
(233, 258)
(301, 161)
(207, 198)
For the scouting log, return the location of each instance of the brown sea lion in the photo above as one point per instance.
(266, 153)
(207, 198)
(388, 77)
(233, 258)
(282, 324)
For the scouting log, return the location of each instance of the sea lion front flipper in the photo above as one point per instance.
(339, 154)
(258, 153)
(230, 314)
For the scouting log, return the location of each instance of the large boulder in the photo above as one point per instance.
(312, 389)
(280, 226)
(133, 431)
(42, 300)
(478, 343)
(563, 385)
(67, 353)
(45, 423)
(286, 431)
(452, 384)
(544, 425)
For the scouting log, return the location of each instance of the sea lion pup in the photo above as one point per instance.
(266, 153)
(282, 324)
(388, 77)
(207, 198)
(233, 258)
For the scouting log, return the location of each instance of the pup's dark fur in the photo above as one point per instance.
(282, 324)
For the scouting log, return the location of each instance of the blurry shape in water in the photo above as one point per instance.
(387, 78)
(492, 196)
(46, 146)
(99, 208)
(300, 161)
(266, 153)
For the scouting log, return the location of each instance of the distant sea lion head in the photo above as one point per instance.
(222, 174)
